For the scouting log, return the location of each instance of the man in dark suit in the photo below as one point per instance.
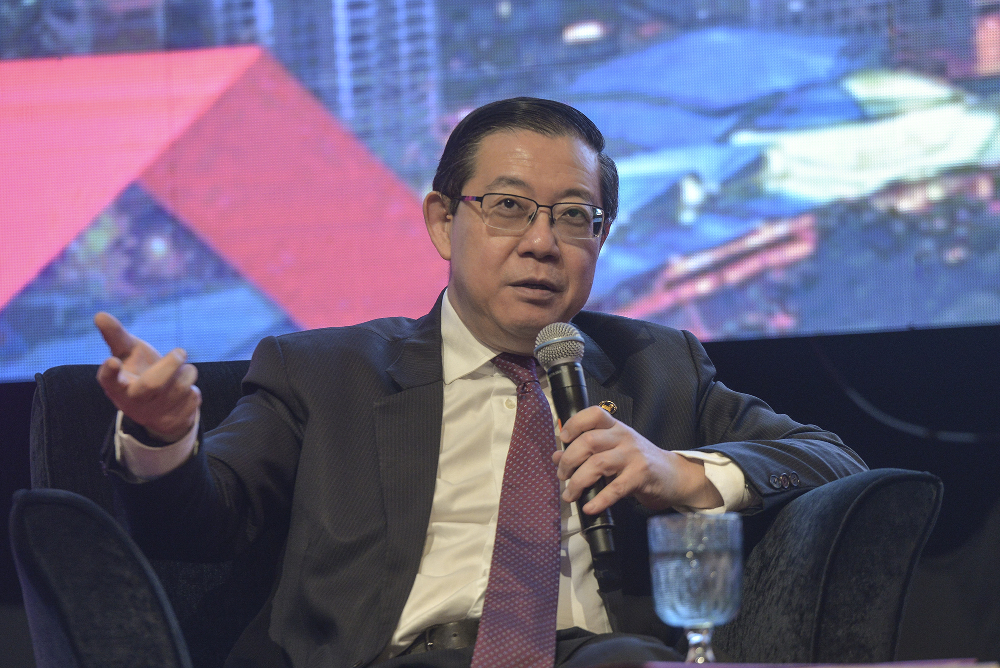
(381, 446)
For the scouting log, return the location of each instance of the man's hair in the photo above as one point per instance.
(546, 117)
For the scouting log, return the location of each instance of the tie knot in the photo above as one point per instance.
(519, 368)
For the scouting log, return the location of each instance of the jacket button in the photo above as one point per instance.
(794, 477)
(785, 481)
(775, 481)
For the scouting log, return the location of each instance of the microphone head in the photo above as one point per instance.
(558, 342)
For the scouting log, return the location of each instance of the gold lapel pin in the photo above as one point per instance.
(609, 406)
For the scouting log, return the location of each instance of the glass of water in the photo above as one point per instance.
(696, 562)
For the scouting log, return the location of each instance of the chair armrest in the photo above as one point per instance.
(91, 597)
(828, 581)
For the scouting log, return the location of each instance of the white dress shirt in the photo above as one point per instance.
(480, 404)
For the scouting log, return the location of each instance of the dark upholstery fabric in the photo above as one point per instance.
(825, 580)
(828, 581)
(213, 602)
(92, 598)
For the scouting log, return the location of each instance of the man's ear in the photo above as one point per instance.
(438, 219)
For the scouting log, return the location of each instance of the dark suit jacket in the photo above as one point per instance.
(337, 439)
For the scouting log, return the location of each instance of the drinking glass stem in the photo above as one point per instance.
(700, 646)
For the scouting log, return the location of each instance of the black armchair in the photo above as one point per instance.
(826, 576)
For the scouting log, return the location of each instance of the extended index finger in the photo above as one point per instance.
(115, 335)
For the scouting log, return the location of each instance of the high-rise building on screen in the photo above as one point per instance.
(373, 63)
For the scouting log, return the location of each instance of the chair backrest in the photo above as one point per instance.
(71, 417)
(70, 420)
(74, 561)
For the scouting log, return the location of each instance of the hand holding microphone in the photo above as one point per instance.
(559, 349)
(657, 477)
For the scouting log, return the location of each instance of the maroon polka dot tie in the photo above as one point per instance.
(518, 627)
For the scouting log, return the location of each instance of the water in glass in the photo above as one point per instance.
(696, 565)
(696, 589)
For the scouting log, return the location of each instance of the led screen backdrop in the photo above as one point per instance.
(216, 171)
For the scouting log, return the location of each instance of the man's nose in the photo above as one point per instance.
(540, 237)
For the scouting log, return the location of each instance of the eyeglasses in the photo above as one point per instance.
(513, 213)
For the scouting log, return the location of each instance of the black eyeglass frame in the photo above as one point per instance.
(598, 212)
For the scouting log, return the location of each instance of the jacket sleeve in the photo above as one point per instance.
(779, 457)
(241, 479)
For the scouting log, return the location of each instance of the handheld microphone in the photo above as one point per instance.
(559, 349)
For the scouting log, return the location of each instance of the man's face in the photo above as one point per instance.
(507, 286)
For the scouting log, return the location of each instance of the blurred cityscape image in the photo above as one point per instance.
(788, 167)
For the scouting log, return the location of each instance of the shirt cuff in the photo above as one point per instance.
(727, 477)
(146, 463)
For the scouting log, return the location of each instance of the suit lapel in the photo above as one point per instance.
(598, 369)
(408, 440)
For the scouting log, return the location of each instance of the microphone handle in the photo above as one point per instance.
(569, 394)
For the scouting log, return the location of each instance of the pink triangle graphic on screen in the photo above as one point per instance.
(236, 149)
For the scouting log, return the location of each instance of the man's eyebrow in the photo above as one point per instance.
(585, 195)
(503, 181)
(514, 182)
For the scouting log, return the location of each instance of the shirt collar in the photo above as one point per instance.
(461, 352)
